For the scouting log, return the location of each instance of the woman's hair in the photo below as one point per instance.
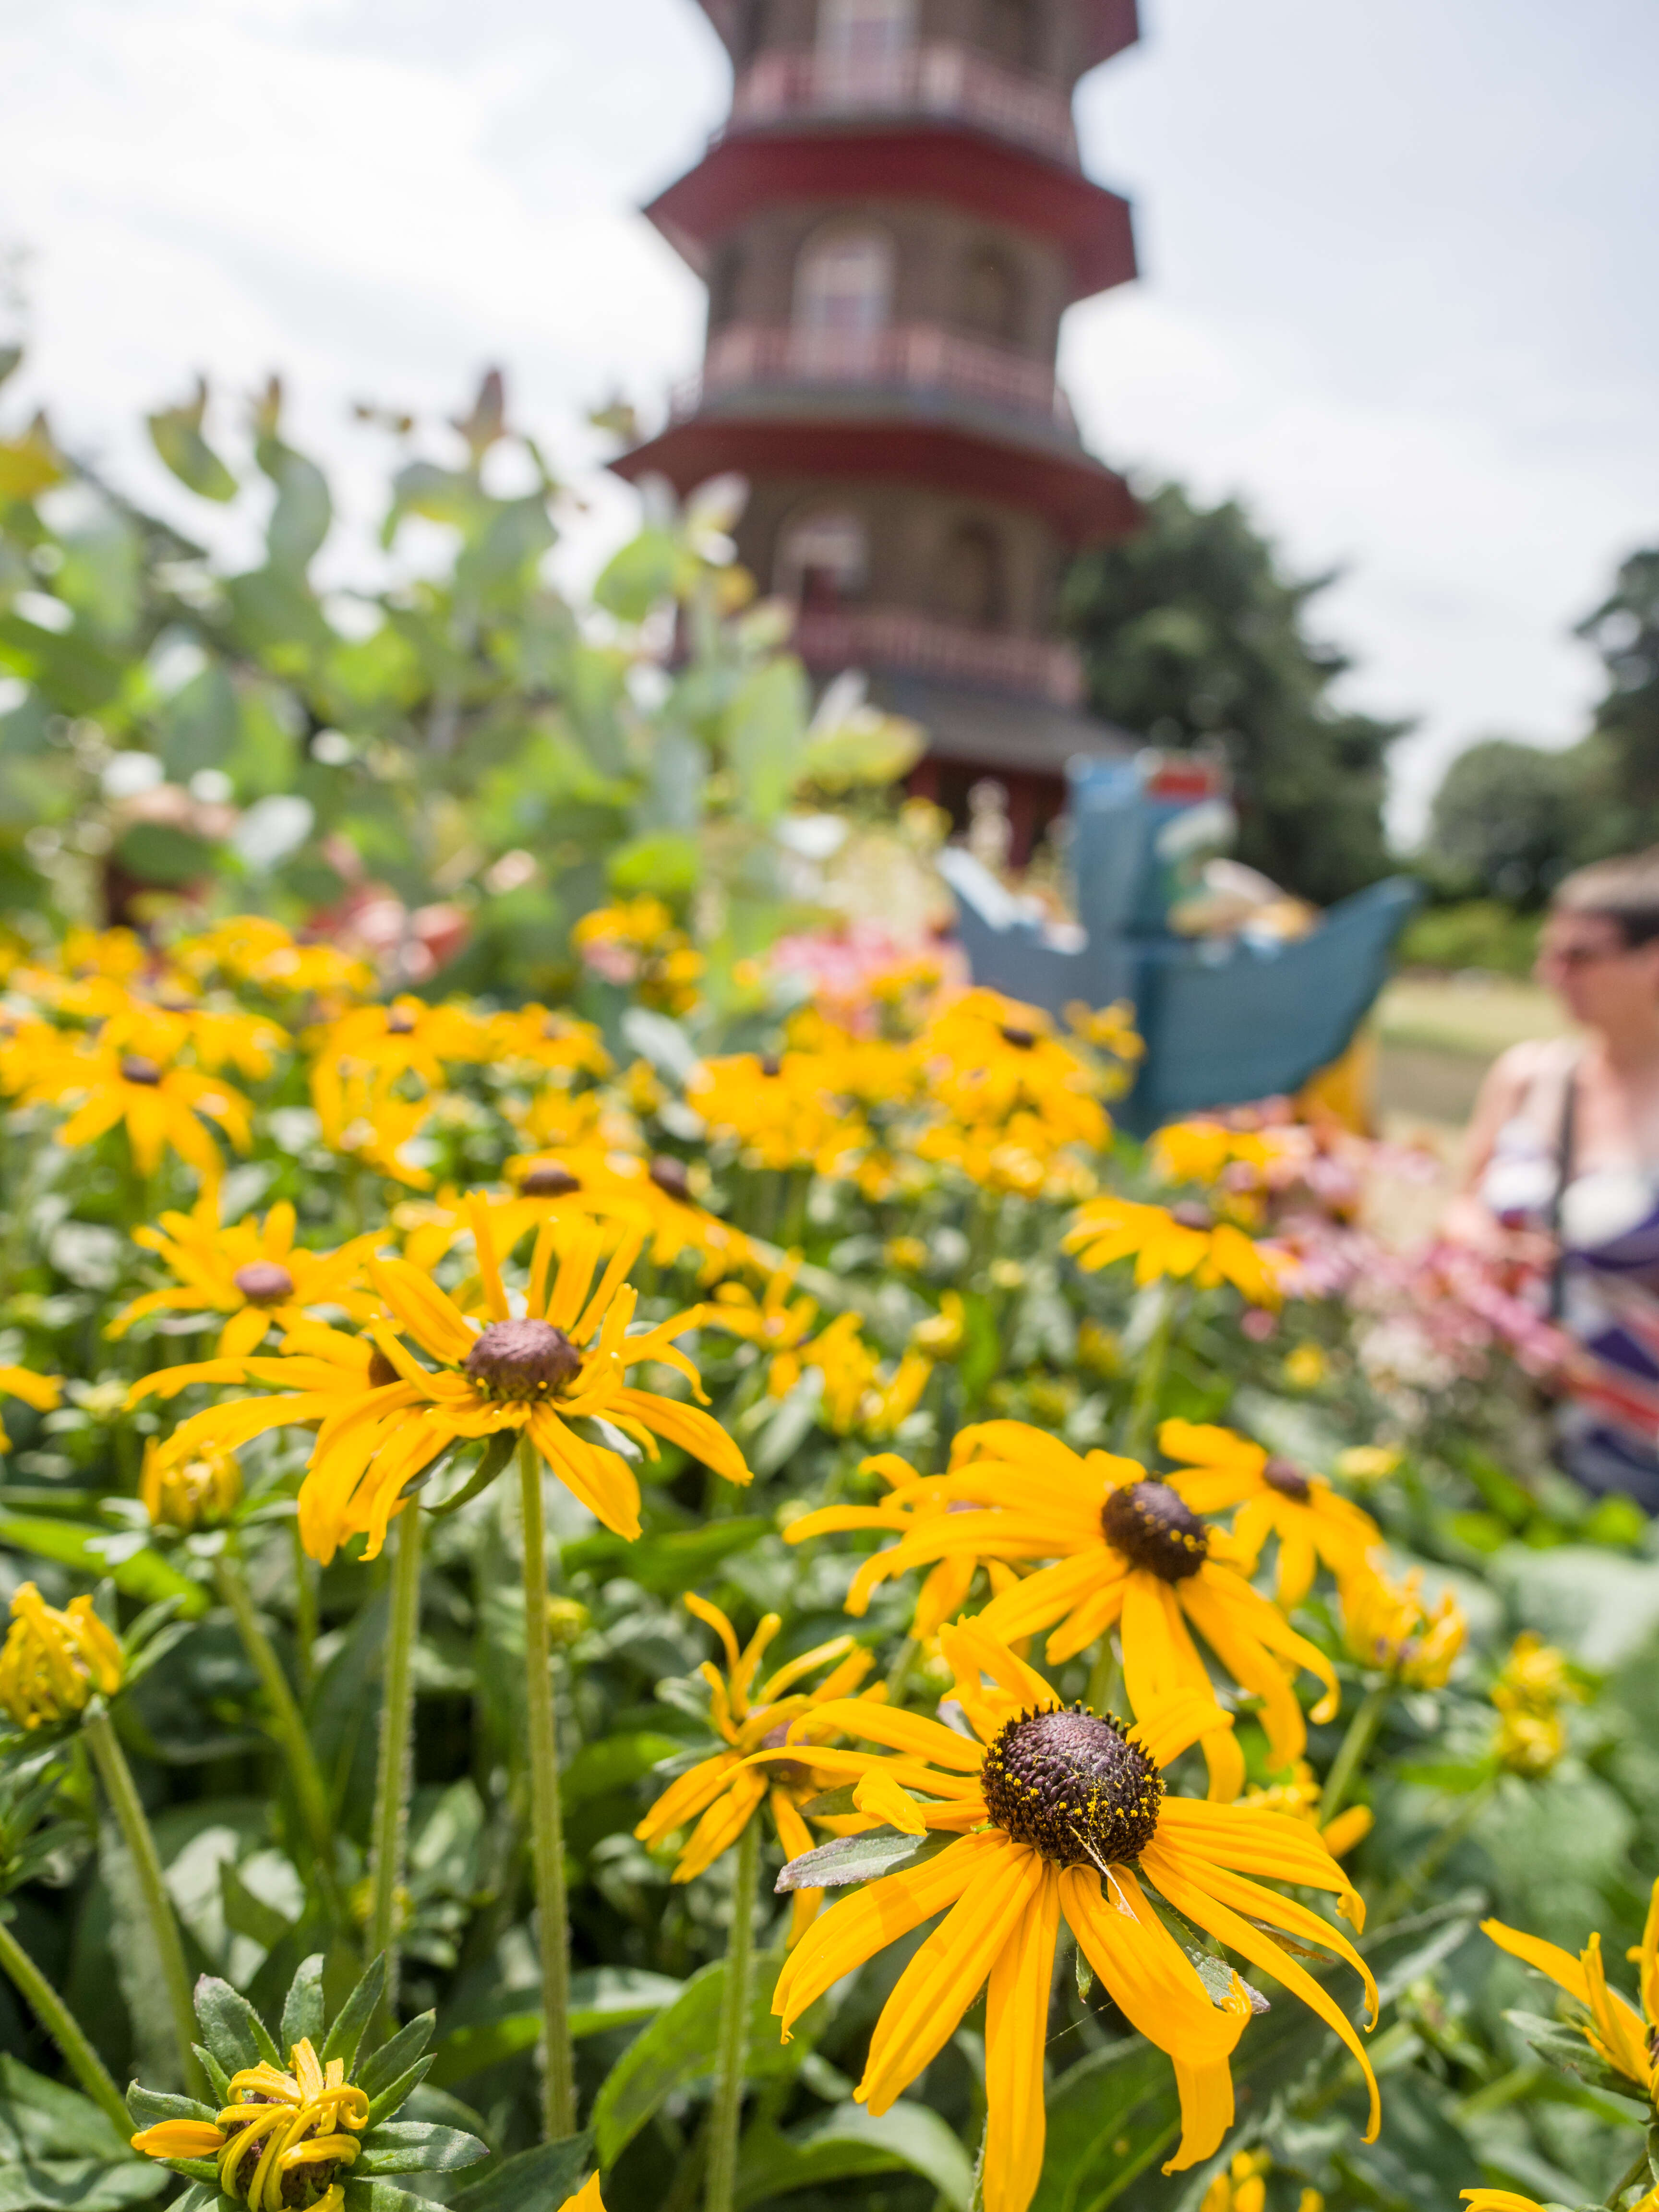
(1625, 891)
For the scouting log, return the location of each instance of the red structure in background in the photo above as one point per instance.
(891, 223)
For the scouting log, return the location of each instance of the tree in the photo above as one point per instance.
(1510, 819)
(1190, 633)
(1625, 631)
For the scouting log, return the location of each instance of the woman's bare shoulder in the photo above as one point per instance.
(1514, 1071)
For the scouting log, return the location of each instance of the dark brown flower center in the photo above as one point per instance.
(669, 1176)
(1021, 1040)
(1072, 1784)
(398, 1023)
(523, 1359)
(381, 1370)
(787, 1773)
(139, 1067)
(264, 1282)
(1191, 1215)
(1280, 1475)
(548, 1181)
(1156, 1529)
(770, 1063)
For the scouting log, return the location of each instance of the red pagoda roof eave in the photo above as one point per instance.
(1085, 502)
(1108, 26)
(990, 177)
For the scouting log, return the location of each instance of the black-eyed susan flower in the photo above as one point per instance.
(251, 1272)
(1390, 1626)
(776, 1320)
(1123, 1548)
(309, 2136)
(1625, 2038)
(43, 1392)
(1186, 1242)
(1061, 1811)
(911, 1502)
(188, 1494)
(857, 1396)
(162, 1105)
(1202, 1151)
(53, 1662)
(638, 945)
(1219, 1468)
(1533, 1684)
(724, 1793)
(384, 1414)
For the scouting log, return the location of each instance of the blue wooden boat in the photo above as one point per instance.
(1225, 1019)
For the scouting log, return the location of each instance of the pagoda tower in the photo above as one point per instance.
(890, 223)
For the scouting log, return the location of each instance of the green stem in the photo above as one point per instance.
(1149, 1376)
(286, 1723)
(65, 2030)
(305, 1611)
(725, 2120)
(128, 1808)
(546, 1813)
(1362, 1734)
(393, 1774)
(1409, 1884)
(1105, 1678)
(1638, 2172)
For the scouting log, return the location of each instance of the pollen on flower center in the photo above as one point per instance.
(1070, 1784)
(1155, 1528)
(1280, 1475)
(139, 1067)
(549, 1180)
(264, 1282)
(523, 1359)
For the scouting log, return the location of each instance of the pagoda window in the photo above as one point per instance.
(971, 577)
(865, 46)
(844, 285)
(823, 559)
(1006, 30)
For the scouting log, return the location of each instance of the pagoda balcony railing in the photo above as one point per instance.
(940, 78)
(904, 357)
(924, 645)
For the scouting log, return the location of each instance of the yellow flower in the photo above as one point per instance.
(1058, 1811)
(1368, 1462)
(1389, 1625)
(52, 1662)
(1125, 1548)
(556, 1043)
(385, 1417)
(364, 1120)
(1536, 1681)
(1241, 2187)
(1216, 1469)
(1099, 1350)
(192, 1494)
(1531, 1744)
(1299, 1796)
(724, 1793)
(856, 1395)
(774, 1320)
(940, 1335)
(636, 943)
(1202, 1151)
(1183, 1241)
(911, 1502)
(586, 2198)
(1108, 1029)
(43, 1392)
(1622, 2037)
(1305, 1366)
(778, 1108)
(906, 1255)
(283, 2139)
(251, 1272)
(158, 1105)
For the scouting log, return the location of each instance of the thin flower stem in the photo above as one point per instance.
(65, 2030)
(128, 1808)
(546, 1812)
(393, 1774)
(1105, 1678)
(1638, 2172)
(305, 1611)
(726, 2118)
(1149, 1375)
(286, 1723)
(1361, 1734)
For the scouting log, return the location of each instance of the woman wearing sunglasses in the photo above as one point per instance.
(1563, 1169)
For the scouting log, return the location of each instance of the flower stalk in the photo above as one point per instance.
(1142, 1415)
(1360, 1735)
(725, 2117)
(65, 2030)
(393, 1772)
(546, 1811)
(128, 1808)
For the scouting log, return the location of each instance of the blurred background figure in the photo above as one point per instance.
(1562, 1184)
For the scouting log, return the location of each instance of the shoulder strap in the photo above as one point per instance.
(1565, 1136)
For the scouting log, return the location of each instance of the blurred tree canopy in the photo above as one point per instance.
(1191, 634)
(436, 722)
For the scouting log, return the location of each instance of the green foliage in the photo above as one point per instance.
(1190, 636)
(1510, 820)
(1473, 933)
(1625, 631)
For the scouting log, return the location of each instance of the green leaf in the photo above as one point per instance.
(355, 2014)
(301, 517)
(1109, 2118)
(395, 2057)
(676, 2053)
(249, 1915)
(852, 2141)
(383, 2197)
(57, 2149)
(495, 1455)
(218, 2080)
(764, 736)
(666, 862)
(122, 1554)
(231, 2029)
(533, 2181)
(1559, 2046)
(613, 1763)
(302, 2007)
(600, 1998)
(858, 1858)
(176, 435)
(148, 2107)
(397, 2092)
(650, 567)
(670, 1564)
(418, 2147)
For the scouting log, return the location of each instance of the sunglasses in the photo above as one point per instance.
(1581, 955)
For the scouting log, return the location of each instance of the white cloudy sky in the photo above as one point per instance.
(1399, 286)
